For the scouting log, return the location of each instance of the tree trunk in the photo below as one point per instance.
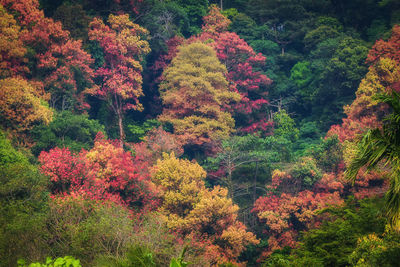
(121, 129)
(253, 222)
(221, 2)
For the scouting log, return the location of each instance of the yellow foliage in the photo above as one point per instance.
(193, 210)
(22, 105)
(194, 93)
(378, 79)
(181, 181)
(12, 51)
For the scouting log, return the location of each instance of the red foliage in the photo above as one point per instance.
(287, 214)
(165, 59)
(58, 56)
(215, 22)
(389, 49)
(121, 74)
(240, 61)
(105, 172)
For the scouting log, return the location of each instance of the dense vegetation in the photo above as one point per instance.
(203, 133)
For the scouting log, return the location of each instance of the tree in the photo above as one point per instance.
(342, 238)
(12, 49)
(86, 228)
(106, 172)
(380, 145)
(123, 49)
(66, 130)
(192, 210)
(195, 93)
(57, 60)
(241, 62)
(215, 23)
(21, 105)
(23, 207)
(389, 49)
(233, 153)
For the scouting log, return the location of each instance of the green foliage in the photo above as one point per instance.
(301, 74)
(66, 261)
(244, 26)
(374, 250)
(66, 130)
(306, 171)
(285, 126)
(278, 260)
(328, 154)
(23, 197)
(85, 228)
(334, 242)
(179, 262)
(165, 20)
(230, 13)
(136, 255)
(138, 132)
(195, 10)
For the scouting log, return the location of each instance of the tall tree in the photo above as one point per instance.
(123, 49)
(242, 62)
(195, 93)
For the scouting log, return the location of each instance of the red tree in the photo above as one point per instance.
(241, 61)
(389, 49)
(104, 172)
(62, 64)
(121, 74)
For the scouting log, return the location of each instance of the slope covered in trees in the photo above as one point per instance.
(200, 133)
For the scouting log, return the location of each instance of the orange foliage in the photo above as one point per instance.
(192, 210)
(386, 49)
(21, 105)
(12, 49)
(58, 56)
(215, 22)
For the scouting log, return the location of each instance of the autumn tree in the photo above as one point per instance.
(215, 23)
(389, 49)
(12, 49)
(192, 210)
(22, 105)
(123, 49)
(104, 172)
(58, 61)
(295, 196)
(195, 93)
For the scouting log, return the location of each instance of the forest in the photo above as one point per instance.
(199, 133)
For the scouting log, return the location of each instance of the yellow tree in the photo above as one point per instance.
(194, 94)
(207, 216)
(22, 105)
(12, 50)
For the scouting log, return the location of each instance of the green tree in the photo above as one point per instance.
(23, 207)
(66, 130)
